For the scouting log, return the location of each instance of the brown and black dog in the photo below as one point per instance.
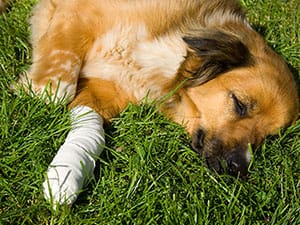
(230, 90)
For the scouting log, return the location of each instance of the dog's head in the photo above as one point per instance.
(234, 96)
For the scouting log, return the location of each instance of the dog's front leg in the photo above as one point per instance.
(74, 163)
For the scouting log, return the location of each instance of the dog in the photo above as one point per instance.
(200, 60)
(3, 6)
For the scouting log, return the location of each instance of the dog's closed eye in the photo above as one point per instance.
(239, 107)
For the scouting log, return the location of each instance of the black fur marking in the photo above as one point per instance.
(220, 53)
(198, 140)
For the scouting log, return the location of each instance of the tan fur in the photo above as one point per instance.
(3, 5)
(107, 53)
(108, 101)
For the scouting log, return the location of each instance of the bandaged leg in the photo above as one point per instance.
(74, 162)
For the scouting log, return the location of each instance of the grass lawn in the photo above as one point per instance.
(156, 178)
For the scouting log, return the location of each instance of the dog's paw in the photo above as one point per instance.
(61, 186)
(74, 163)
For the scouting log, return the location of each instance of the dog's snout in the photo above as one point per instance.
(236, 163)
(233, 160)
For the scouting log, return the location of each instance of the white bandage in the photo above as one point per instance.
(74, 162)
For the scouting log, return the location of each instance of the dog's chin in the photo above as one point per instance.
(233, 161)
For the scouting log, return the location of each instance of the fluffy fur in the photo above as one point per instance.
(232, 90)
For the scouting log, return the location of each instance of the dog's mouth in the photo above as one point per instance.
(234, 160)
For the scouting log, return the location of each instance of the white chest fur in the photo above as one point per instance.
(128, 55)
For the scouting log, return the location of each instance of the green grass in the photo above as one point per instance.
(156, 178)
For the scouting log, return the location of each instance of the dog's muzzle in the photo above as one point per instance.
(234, 161)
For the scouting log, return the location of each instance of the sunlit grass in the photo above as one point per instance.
(148, 173)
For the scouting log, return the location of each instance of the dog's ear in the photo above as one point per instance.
(214, 52)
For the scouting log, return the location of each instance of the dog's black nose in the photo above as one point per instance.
(236, 163)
